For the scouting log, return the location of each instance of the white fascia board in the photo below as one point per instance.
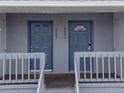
(61, 4)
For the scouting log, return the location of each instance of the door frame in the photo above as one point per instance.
(29, 38)
(91, 38)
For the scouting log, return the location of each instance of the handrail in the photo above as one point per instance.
(41, 79)
(76, 75)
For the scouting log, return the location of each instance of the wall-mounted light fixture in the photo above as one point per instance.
(0, 29)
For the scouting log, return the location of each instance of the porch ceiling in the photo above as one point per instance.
(60, 7)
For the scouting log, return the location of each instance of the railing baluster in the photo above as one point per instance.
(10, 67)
(103, 77)
(121, 73)
(22, 68)
(28, 67)
(84, 68)
(115, 67)
(90, 67)
(96, 67)
(35, 58)
(3, 68)
(78, 65)
(16, 68)
(109, 74)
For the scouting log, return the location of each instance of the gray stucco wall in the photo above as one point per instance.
(119, 31)
(2, 32)
(2, 37)
(102, 34)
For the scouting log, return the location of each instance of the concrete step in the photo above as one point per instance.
(60, 90)
(59, 80)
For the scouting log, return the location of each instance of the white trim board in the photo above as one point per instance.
(60, 6)
(18, 86)
(61, 3)
(82, 85)
(101, 85)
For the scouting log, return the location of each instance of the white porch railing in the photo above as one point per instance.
(20, 67)
(99, 66)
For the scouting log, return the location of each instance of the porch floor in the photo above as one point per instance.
(57, 80)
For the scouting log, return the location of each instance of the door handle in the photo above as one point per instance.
(90, 46)
(31, 49)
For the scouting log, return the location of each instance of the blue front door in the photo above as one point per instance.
(41, 40)
(79, 40)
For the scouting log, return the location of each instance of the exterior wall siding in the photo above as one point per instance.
(2, 32)
(119, 31)
(17, 32)
(2, 36)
